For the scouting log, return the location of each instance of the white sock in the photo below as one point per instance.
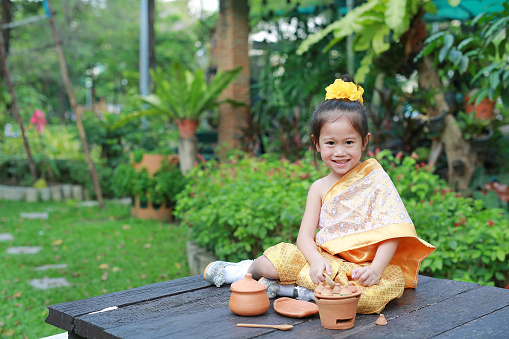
(236, 271)
(285, 290)
(304, 293)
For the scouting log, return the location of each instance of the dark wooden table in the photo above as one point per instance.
(192, 308)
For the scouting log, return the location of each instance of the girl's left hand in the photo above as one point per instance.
(365, 275)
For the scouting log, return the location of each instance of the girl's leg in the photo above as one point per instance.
(262, 267)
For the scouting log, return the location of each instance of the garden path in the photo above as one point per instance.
(45, 282)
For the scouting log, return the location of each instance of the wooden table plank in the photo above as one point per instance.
(442, 317)
(493, 325)
(180, 312)
(191, 307)
(62, 315)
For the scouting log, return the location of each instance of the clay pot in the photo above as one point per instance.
(483, 110)
(338, 312)
(248, 297)
(187, 127)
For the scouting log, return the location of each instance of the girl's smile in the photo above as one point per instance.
(340, 146)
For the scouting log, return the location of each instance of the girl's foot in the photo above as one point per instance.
(274, 289)
(223, 272)
(272, 286)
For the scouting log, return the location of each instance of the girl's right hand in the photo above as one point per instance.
(317, 269)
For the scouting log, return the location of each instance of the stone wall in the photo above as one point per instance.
(51, 193)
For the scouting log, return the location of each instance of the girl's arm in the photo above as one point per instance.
(370, 275)
(306, 238)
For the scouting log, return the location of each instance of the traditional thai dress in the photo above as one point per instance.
(361, 210)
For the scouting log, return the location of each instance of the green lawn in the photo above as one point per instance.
(104, 250)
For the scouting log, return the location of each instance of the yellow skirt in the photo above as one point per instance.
(293, 268)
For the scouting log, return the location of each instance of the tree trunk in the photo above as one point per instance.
(75, 108)
(15, 108)
(188, 144)
(230, 52)
(6, 19)
(461, 161)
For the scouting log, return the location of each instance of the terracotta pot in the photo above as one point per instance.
(187, 127)
(248, 297)
(148, 212)
(483, 110)
(338, 312)
(153, 162)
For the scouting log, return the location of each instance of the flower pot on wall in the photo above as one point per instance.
(146, 210)
(480, 143)
(153, 162)
(483, 110)
(163, 213)
(436, 125)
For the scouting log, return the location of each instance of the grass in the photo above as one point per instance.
(104, 250)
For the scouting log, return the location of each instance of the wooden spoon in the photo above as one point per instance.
(278, 327)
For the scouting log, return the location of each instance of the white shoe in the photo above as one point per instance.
(223, 272)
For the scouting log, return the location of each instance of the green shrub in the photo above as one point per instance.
(472, 241)
(242, 206)
(239, 207)
(164, 186)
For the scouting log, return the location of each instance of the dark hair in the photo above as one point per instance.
(331, 110)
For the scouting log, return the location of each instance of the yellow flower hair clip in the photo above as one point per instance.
(344, 90)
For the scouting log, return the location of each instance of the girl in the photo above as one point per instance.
(364, 232)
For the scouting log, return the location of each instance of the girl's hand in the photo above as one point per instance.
(365, 275)
(317, 268)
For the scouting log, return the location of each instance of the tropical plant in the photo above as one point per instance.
(481, 56)
(182, 96)
(375, 24)
(471, 126)
(163, 186)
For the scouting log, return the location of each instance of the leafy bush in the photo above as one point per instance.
(472, 241)
(162, 187)
(239, 207)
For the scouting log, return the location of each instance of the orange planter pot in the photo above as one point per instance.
(153, 162)
(483, 110)
(162, 213)
(187, 127)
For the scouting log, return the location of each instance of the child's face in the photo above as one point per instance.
(341, 146)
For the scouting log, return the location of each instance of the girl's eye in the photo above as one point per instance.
(329, 143)
(349, 142)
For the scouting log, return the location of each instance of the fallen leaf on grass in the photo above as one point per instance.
(104, 266)
(147, 245)
(115, 269)
(57, 242)
(178, 266)
(104, 277)
(8, 332)
(143, 276)
(17, 294)
(84, 261)
(126, 227)
(76, 274)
